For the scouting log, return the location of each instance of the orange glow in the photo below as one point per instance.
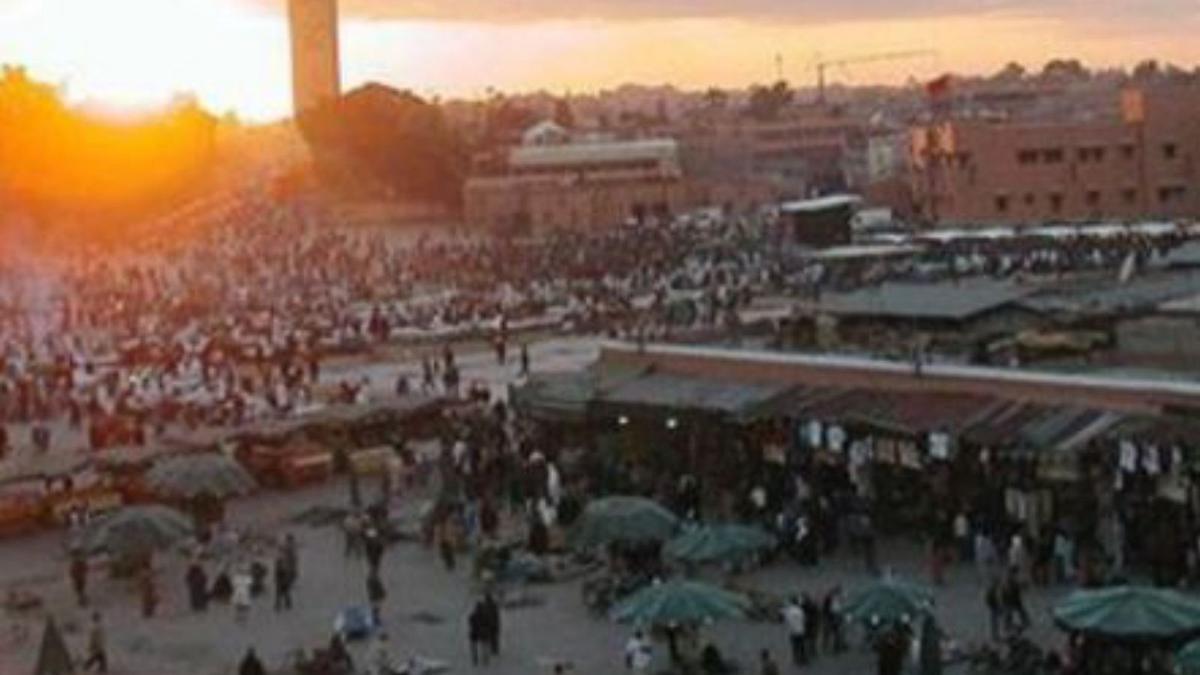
(233, 54)
(59, 160)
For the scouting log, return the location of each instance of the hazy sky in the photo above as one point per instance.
(234, 54)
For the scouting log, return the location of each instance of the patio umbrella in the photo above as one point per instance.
(1188, 659)
(628, 519)
(680, 601)
(889, 600)
(1130, 613)
(190, 476)
(138, 530)
(53, 657)
(718, 543)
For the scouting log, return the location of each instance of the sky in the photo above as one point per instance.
(233, 54)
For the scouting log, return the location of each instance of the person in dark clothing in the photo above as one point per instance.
(284, 581)
(995, 609)
(491, 615)
(373, 546)
(251, 665)
(768, 667)
(712, 662)
(477, 635)
(812, 621)
(197, 585)
(524, 360)
(338, 656)
(376, 594)
(79, 572)
(1013, 600)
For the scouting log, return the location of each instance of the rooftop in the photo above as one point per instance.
(608, 152)
(820, 204)
(912, 300)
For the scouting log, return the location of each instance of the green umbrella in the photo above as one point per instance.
(889, 600)
(626, 519)
(190, 476)
(138, 530)
(1188, 659)
(717, 543)
(678, 602)
(1131, 613)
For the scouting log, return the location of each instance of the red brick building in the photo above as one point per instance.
(1139, 162)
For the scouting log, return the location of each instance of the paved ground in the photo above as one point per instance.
(182, 643)
(178, 642)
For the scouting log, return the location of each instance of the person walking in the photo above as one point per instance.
(491, 615)
(291, 556)
(373, 547)
(376, 594)
(97, 646)
(197, 586)
(524, 360)
(639, 654)
(240, 598)
(812, 626)
(1013, 600)
(767, 664)
(79, 574)
(284, 580)
(796, 620)
(831, 621)
(477, 635)
(995, 609)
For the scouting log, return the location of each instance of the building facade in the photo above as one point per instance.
(1140, 164)
(802, 152)
(542, 186)
(316, 63)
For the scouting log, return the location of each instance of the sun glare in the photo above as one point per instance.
(141, 53)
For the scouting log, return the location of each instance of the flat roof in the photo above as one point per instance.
(914, 300)
(929, 371)
(820, 204)
(863, 251)
(529, 156)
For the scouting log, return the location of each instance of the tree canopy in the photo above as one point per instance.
(391, 143)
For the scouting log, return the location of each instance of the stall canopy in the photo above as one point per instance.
(909, 413)
(1046, 431)
(564, 397)
(680, 393)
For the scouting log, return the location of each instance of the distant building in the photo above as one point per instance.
(821, 222)
(557, 180)
(570, 185)
(802, 152)
(1140, 164)
(316, 67)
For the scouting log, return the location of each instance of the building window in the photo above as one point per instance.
(1171, 193)
(1052, 156)
(1027, 157)
(1129, 195)
(1001, 203)
(1127, 151)
(1086, 155)
(1093, 198)
(1030, 199)
(1170, 151)
(1056, 202)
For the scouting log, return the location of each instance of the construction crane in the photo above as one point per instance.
(822, 66)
